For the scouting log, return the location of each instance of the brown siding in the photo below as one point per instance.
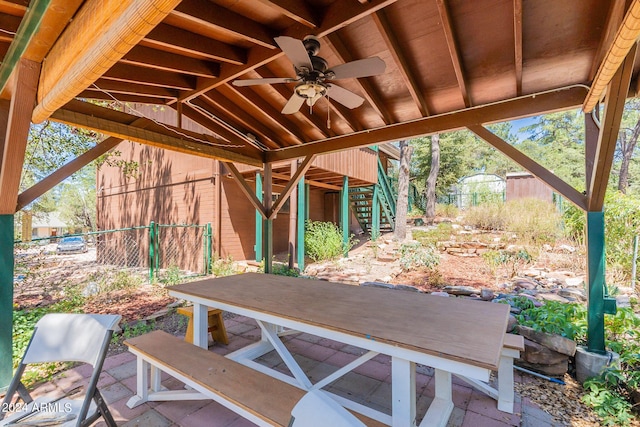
(526, 185)
(359, 163)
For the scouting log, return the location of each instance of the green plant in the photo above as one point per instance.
(222, 266)
(567, 320)
(172, 276)
(280, 269)
(139, 328)
(512, 260)
(415, 255)
(442, 232)
(323, 241)
(606, 400)
(122, 280)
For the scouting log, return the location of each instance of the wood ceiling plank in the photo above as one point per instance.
(139, 75)
(614, 19)
(233, 114)
(294, 9)
(291, 185)
(269, 113)
(13, 8)
(397, 52)
(157, 59)
(311, 182)
(517, 37)
(168, 137)
(93, 93)
(454, 51)
(368, 91)
(119, 87)
(530, 105)
(16, 130)
(337, 15)
(192, 44)
(615, 98)
(203, 12)
(532, 166)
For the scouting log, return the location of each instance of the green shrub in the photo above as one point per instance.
(567, 320)
(323, 241)
(415, 255)
(123, 280)
(222, 266)
(512, 260)
(488, 216)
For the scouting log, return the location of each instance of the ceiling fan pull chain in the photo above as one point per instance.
(328, 112)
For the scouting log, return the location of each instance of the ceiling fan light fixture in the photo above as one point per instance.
(311, 92)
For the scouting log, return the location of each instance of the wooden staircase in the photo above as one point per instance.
(361, 201)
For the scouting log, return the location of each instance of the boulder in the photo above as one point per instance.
(556, 370)
(535, 353)
(461, 290)
(512, 323)
(573, 293)
(554, 342)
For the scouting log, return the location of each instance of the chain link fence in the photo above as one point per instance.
(161, 252)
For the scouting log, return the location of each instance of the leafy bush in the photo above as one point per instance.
(222, 266)
(512, 260)
(280, 269)
(323, 241)
(622, 223)
(415, 255)
(488, 216)
(567, 320)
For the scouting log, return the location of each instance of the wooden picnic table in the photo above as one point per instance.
(452, 335)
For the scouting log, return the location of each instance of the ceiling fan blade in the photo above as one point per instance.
(251, 82)
(344, 96)
(361, 68)
(295, 51)
(293, 104)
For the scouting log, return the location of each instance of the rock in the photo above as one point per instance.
(548, 296)
(573, 293)
(511, 324)
(566, 248)
(554, 342)
(574, 282)
(623, 301)
(461, 290)
(525, 294)
(378, 285)
(407, 288)
(487, 294)
(524, 283)
(440, 294)
(539, 354)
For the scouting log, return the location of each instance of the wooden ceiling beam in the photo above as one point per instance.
(237, 117)
(93, 93)
(97, 37)
(311, 182)
(15, 120)
(142, 56)
(203, 12)
(336, 16)
(454, 51)
(139, 75)
(397, 52)
(615, 98)
(9, 25)
(13, 8)
(113, 123)
(367, 89)
(187, 43)
(295, 10)
(267, 111)
(534, 104)
(517, 37)
(542, 173)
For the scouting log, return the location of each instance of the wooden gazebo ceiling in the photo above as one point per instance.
(449, 63)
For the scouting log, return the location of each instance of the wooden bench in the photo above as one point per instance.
(256, 396)
(512, 346)
(215, 324)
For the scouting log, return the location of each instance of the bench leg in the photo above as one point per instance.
(442, 405)
(505, 382)
(142, 384)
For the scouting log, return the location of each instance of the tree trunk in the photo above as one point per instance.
(400, 230)
(627, 148)
(430, 190)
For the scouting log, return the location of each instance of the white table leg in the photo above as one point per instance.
(200, 325)
(142, 384)
(440, 409)
(403, 392)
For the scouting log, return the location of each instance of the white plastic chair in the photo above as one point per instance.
(316, 409)
(62, 337)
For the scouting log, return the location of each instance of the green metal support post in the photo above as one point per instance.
(301, 221)
(375, 214)
(152, 250)
(6, 300)
(267, 224)
(209, 249)
(344, 214)
(258, 245)
(596, 275)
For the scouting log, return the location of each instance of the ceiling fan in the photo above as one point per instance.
(313, 75)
